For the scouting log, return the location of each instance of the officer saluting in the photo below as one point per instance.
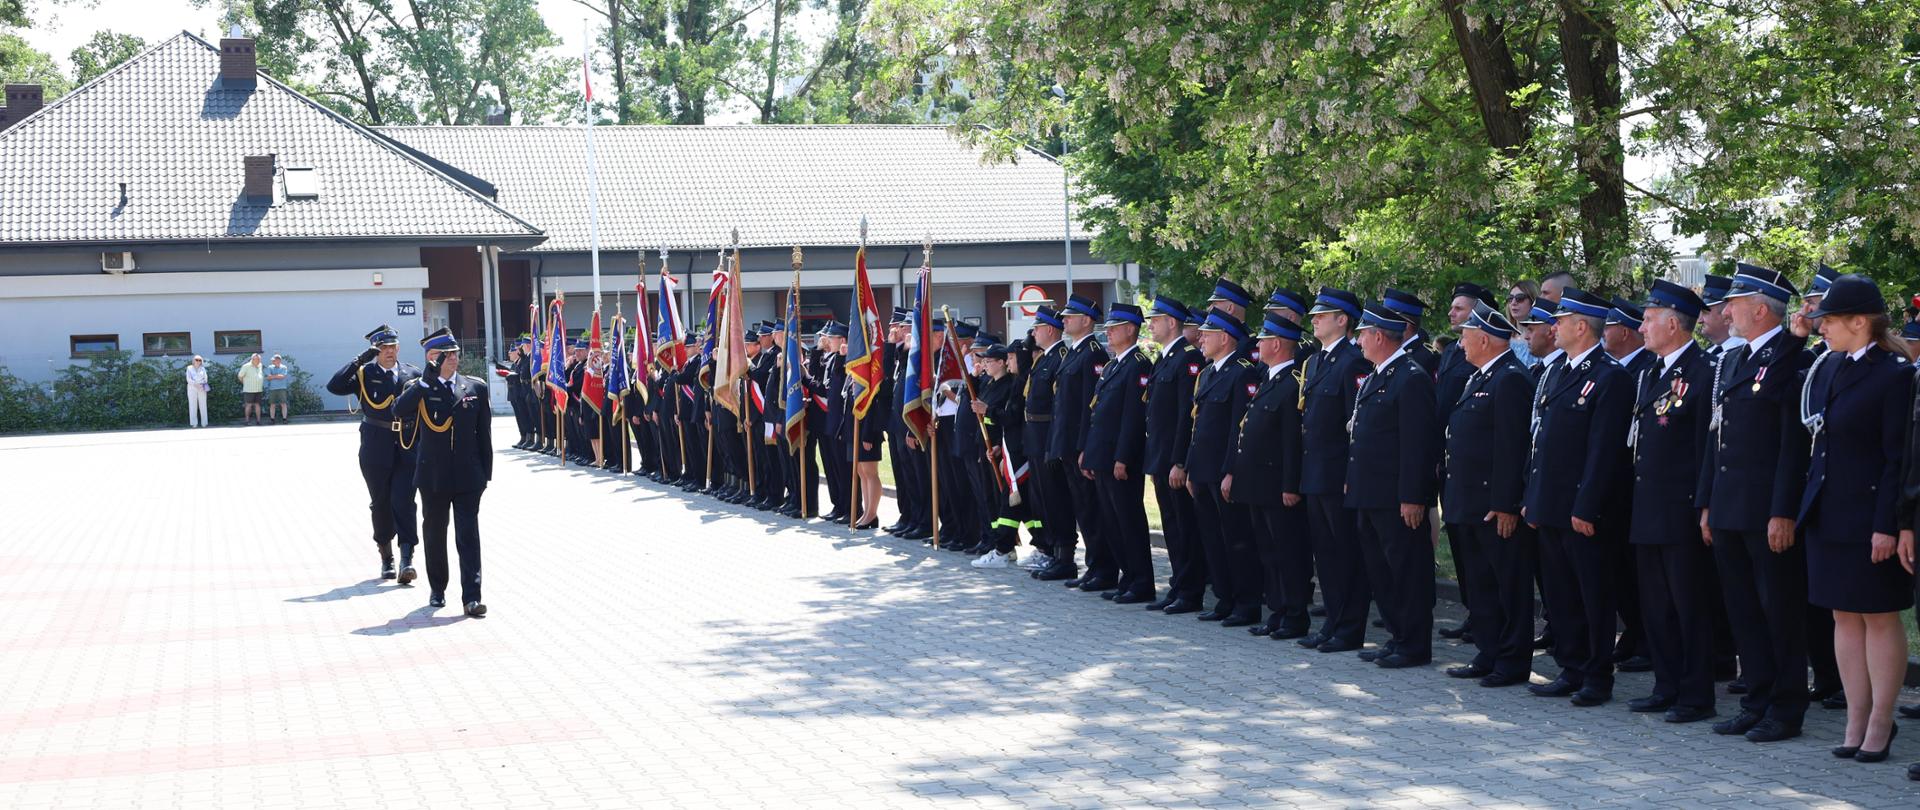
(456, 462)
(386, 446)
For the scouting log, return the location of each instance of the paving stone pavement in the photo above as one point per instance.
(194, 620)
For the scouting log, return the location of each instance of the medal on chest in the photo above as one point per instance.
(1584, 391)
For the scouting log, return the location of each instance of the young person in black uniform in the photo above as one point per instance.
(1000, 411)
(1220, 398)
(1578, 460)
(831, 387)
(1859, 408)
(1393, 457)
(1621, 338)
(387, 457)
(1169, 430)
(1053, 499)
(1448, 380)
(1749, 496)
(1485, 479)
(1264, 476)
(456, 462)
(1407, 307)
(1331, 378)
(1113, 443)
(1080, 369)
(516, 377)
(1671, 411)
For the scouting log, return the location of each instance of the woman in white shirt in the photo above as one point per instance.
(197, 392)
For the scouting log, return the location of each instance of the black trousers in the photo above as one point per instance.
(1678, 615)
(1399, 563)
(1457, 546)
(984, 497)
(1178, 524)
(1343, 578)
(693, 465)
(522, 414)
(1626, 587)
(390, 502)
(1226, 537)
(1124, 505)
(910, 484)
(1056, 505)
(1006, 527)
(1286, 560)
(1090, 518)
(838, 472)
(466, 539)
(1500, 609)
(1766, 595)
(1580, 586)
(902, 476)
(667, 436)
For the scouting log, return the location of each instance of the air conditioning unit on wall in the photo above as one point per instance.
(117, 262)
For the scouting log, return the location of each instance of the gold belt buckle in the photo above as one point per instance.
(396, 425)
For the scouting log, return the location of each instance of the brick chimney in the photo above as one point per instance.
(22, 100)
(238, 66)
(259, 182)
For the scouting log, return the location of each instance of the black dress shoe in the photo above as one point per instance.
(1500, 679)
(1109, 595)
(1161, 603)
(1910, 712)
(1056, 572)
(1913, 771)
(476, 610)
(1469, 671)
(1543, 642)
(1338, 647)
(1265, 628)
(1638, 663)
(1374, 654)
(1738, 724)
(916, 534)
(1837, 700)
(437, 600)
(1402, 661)
(867, 526)
(1591, 697)
(1687, 714)
(1284, 632)
(1771, 730)
(1819, 693)
(1317, 610)
(1241, 620)
(1179, 606)
(1214, 616)
(1451, 632)
(1311, 640)
(1093, 584)
(1558, 687)
(1133, 598)
(1075, 582)
(835, 517)
(1650, 703)
(1737, 686)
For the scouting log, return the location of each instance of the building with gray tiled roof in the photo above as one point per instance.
(185, 203)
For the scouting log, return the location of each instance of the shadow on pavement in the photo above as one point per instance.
(419, 619)
(364, 588)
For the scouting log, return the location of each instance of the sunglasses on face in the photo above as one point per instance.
(1517, 295)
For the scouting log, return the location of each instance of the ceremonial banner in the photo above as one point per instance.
(865, 341)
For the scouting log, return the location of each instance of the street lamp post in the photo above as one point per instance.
(1066, 194)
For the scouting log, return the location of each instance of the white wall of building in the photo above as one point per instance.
(316, 316)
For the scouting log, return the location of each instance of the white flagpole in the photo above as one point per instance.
(593, 187)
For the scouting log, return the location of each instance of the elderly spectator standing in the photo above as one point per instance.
(279, 386)
(197, 388)
(252, 382)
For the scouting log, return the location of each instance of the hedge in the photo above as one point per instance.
(114, 390)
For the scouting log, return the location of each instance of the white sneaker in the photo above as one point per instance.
(1036, 560)
(994, 559)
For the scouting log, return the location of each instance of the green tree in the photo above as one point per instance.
(20, 63)
(102, 52)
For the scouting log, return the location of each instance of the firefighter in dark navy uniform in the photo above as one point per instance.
(454, 435)
(1264, 476)
(376, 376)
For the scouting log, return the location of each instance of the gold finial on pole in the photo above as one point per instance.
(736, 238)
(796, 257)
(863, 230)
(926, 249)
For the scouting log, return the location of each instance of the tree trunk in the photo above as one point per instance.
(773, 66)
(1491, 76)
(1590, 52)
(690, 97)
(616, 42)
(355, 47)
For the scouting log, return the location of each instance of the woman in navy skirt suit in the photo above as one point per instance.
(1857, 400)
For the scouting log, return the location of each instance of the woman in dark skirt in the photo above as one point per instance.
(1857, 402)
